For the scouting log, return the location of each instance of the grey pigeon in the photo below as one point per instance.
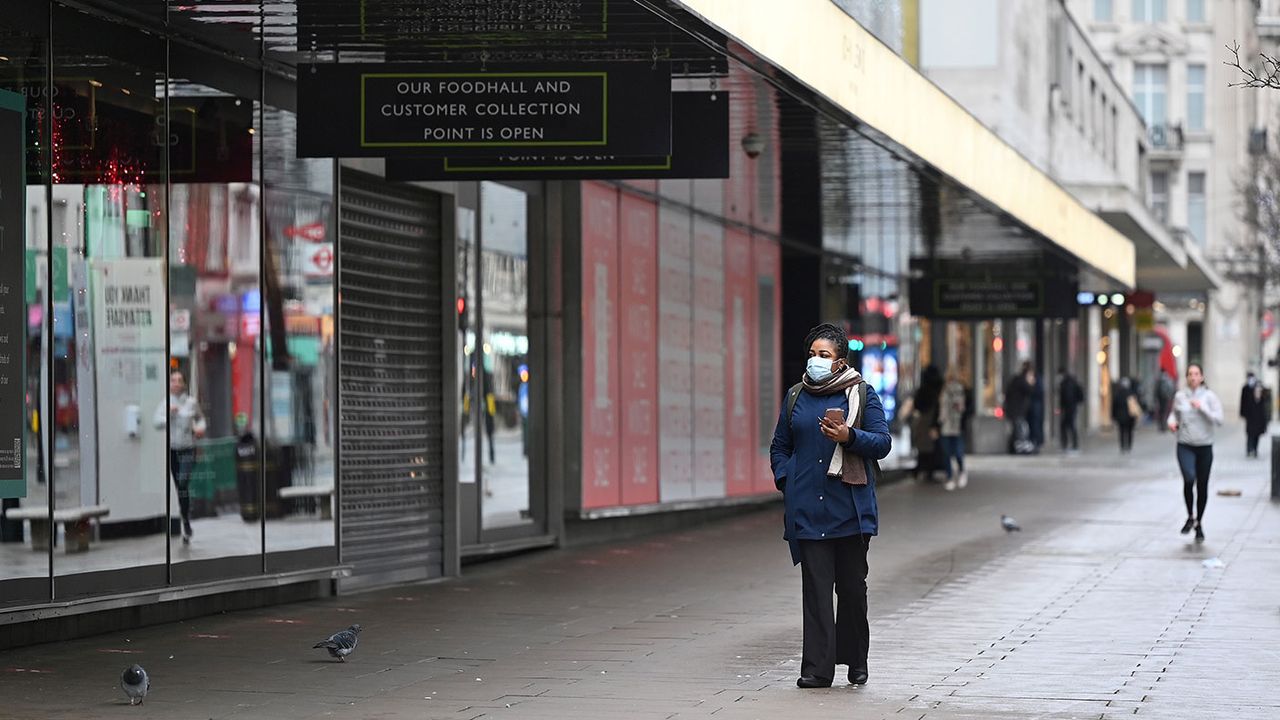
(342, 643)
(1009, 524)
(135, 683)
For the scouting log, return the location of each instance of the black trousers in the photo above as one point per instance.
(1195, 462)
(1251, 446)
(834, 634)
(181, 463)
(1126, 435)
(1069, 436)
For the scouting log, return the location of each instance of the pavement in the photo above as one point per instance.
(1098, 609)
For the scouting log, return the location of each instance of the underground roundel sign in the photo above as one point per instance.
(318, 260)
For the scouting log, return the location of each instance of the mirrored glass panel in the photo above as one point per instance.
(24, 379)
(108, 225)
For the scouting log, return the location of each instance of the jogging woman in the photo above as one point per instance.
(1197, 412)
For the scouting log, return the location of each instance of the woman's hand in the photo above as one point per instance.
(838, 432)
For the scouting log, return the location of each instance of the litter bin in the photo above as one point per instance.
(247, 481)
(1275, 467)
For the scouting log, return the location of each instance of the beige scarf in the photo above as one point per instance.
(845, 464)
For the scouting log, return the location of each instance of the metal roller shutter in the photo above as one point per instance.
(392, 364)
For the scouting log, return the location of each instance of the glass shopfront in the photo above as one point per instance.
(179, 302)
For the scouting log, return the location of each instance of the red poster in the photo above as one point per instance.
(638, 226)
(600, 387)
(771, 384)
(741, 402)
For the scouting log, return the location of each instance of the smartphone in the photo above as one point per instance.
(836, 415)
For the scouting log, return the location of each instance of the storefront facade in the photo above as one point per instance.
(378, 373)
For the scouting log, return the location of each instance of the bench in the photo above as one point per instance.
(76, 521)
(318, 493)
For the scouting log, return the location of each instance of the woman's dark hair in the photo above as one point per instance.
(827, 331)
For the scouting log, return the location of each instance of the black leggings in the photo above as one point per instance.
(1195, 462)
(181, 462)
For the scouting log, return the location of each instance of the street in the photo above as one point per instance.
(1098, 609)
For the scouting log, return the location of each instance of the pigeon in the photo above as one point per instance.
(135, 683)
(1009, 524)
(342, 643)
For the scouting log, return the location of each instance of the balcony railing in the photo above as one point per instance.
(1166, 137)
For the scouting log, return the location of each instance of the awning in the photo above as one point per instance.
(820, 46)
(1166, 260)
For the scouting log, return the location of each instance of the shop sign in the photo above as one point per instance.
(990, 298)
(366, 110)
(699, 149)
(311, 232)
(1144, 319)
(456, 23)
(13, 198)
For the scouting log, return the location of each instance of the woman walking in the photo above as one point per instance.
(1125, 411)
(186, 423)
(830, 433)
(1197, 411)
(951, 412)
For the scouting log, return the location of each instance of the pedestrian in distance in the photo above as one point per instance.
(1017, 406)
(1164, 396)
(1255, 409)
(1035, 412)
(830, 435)
(951, 415)
(1070, 397)
(922, 411)
(1125, 411)
(1197, 412)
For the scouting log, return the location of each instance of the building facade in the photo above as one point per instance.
(1169, 56)
(252, 375)
(1030, 71)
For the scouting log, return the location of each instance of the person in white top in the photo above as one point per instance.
(186, 423)
(951, 410)
(1197, 412)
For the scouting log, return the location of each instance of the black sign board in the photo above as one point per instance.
(959, 292)
(13, 315)
(699, 149)
(366, 110)
(454, 23)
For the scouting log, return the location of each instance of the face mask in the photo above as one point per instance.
(1253, 381)
(819, 369)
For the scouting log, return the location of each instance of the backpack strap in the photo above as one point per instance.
(792, 396)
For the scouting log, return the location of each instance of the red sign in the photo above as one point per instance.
(313, 232)
(318, 262)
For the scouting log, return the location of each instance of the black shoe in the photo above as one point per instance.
(1199, 533)
(1188, 525)
(858, 677)
(809, 682)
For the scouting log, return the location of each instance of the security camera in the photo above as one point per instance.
(752, 145)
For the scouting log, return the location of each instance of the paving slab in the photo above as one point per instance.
(1099, 609)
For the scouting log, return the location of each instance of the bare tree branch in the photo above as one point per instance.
(1267, 76)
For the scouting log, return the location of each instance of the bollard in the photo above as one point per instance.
(1275, 467)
